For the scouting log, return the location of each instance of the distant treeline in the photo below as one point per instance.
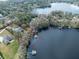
(55, 19)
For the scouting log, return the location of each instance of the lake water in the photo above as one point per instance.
(59, 7)
(56, 44)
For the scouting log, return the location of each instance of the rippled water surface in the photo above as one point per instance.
(56, 44)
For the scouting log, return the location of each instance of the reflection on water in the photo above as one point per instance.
(56, 44)
(59, 7)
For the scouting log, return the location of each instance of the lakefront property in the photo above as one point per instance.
(39, 29)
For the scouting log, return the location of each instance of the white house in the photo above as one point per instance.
(6, 39)
(18, 29)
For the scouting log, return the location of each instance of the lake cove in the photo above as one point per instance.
(65, 7)
(56, 44)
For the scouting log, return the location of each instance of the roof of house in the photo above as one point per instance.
(8, 37)
(18, 29)
(1, 16)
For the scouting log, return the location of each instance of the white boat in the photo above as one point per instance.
(33, 52)
(36, 36)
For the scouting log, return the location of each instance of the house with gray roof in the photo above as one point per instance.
(6, 39)
(18, 29)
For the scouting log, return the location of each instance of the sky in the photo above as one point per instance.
(3, 0)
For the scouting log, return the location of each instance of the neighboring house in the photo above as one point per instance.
(6, 39)
(18, 29)
(1, 16)
(7, 22)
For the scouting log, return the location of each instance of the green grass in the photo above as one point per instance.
(5, 32)
(14, 46)
(9, 51)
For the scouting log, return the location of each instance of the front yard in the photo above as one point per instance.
(8, 51)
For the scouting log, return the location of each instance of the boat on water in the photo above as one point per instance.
(33, 52)
(36, 36)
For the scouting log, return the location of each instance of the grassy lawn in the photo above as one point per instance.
(5, 32)
(8, 51)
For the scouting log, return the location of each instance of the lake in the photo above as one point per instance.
(56, 44)
(65, 7)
